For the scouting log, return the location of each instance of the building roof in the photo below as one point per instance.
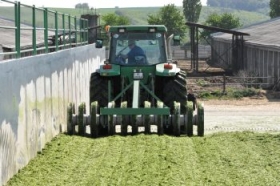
(234, 32)
(7, 39)
(264, 33)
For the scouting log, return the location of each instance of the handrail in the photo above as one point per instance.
(64, 25)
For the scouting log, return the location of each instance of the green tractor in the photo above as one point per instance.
(138, 86)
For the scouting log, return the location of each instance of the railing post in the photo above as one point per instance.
(46, 29)
(69, 27)
(63, 26)
(56, 31)
(86, 31)
(80, 31)
(17, 32)
(34, 30)
(75, 20)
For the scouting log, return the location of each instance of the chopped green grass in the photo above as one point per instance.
(239, 158)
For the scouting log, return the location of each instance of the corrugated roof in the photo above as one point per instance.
(7, 39)
(264, 33)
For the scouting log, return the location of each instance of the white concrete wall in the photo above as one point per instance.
(34, 95)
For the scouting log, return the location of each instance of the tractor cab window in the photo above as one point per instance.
(137, 48)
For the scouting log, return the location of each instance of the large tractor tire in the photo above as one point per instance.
(99, 89)
(175, 89)
(170, 89)
(99, 92)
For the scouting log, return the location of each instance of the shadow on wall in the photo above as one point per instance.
(34, 96)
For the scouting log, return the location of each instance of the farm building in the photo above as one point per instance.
(260, 54)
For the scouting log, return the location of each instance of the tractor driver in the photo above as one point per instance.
(134, 51)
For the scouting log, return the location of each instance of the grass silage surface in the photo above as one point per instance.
(239, 158)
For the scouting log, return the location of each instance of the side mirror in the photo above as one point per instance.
(99, 43)
(176, 40)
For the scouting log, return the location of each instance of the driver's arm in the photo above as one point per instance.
(124, 56)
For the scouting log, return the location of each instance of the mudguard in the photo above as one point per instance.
(161, 71)
(106, 71)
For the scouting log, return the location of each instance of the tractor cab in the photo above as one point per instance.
(138, 45)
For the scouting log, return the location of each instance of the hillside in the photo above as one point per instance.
(140, 15)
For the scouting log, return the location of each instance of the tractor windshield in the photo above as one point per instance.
(138, 48)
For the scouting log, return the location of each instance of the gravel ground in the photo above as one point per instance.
(242, 115)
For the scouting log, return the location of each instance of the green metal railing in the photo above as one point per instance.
(57, 30)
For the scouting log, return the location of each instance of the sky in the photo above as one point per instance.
(101, 3)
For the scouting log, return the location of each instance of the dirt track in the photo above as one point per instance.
(242, 115)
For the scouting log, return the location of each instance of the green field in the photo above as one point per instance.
(220, 159)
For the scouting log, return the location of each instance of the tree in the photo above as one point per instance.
(114, 19)
(274, 8)
(226, 21)
(192, 9)
(82, 5)
(171, 17)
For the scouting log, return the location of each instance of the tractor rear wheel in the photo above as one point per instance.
(99, 91)
(176, 90)
(173, 89)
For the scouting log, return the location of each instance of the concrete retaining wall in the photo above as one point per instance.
(34, 95)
